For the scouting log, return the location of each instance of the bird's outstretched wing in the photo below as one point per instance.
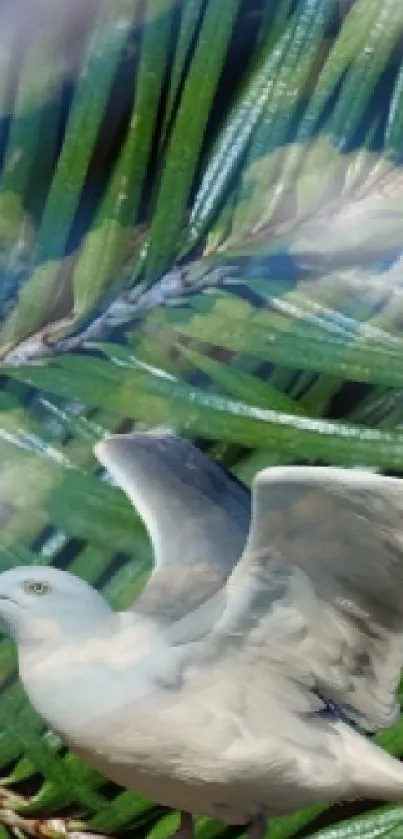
(318, 592)
(196, 513)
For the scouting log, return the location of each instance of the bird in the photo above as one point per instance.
(245, 681)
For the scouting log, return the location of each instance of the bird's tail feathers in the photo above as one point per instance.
(374, 773)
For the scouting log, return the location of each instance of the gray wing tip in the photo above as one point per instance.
(175, 462)
(318, 475)
(105, 449)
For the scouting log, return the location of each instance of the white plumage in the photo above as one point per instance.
(238, 684)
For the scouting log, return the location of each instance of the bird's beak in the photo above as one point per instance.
(6, 599)
(10, 611)
(4, 596)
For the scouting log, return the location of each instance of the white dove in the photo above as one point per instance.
(246, 695)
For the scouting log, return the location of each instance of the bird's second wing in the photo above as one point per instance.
(196, 513)
(320, 586)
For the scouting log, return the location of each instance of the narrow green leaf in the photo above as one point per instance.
(184, 148)
(233, 140)
(288, 825)
(391, 739)
(362, 77)
(118, 813)
(101, 254)
(289, 86)
(191, 14)
(394, 126)
(95, 82)
(241, 385)
(51, 796)
(304, 30)
(192, 411)
(383, 824)
(25, 733)
(355, 41)
(39, 90)
(295, 344)
(247, 467)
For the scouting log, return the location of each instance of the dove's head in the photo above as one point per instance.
(37, 602)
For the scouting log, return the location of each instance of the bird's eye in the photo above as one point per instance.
(35, 587)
